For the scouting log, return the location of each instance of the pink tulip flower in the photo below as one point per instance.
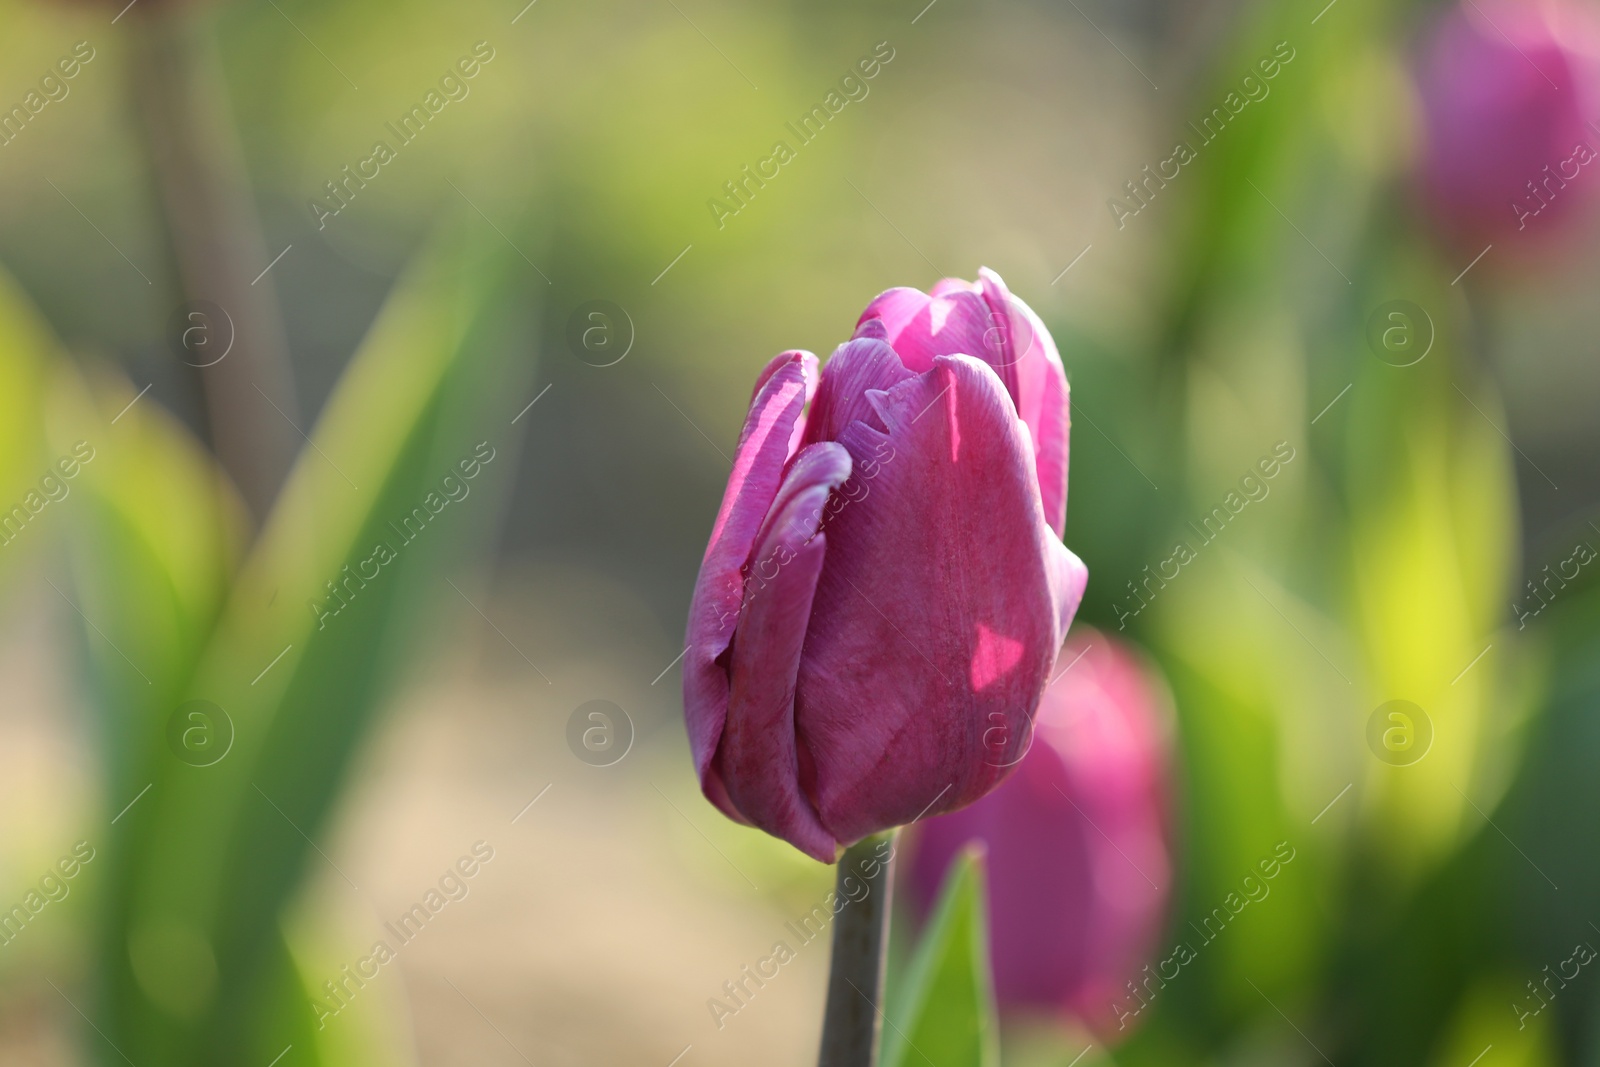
(1076, 842)
(1507, 90)
(885, 587)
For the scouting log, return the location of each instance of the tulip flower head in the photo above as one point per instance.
(885, 586)
(1076, 842)
(1507, 90)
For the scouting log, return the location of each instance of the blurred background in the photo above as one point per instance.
(243, 348)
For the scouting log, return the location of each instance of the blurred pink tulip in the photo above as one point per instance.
(1077, 841)
(885, 587)
(1507, 91)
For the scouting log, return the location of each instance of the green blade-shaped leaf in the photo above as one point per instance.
(157, 534)
(945, 1015)
(154, 527)
(194, 963)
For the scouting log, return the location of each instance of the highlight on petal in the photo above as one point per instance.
(995, 657)
(808, 363)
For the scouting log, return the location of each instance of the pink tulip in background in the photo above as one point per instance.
(1508, 96)
(885, 586)
(1076, 842)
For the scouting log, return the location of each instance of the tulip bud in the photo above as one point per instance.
(1507, 89)
(1076, 844)
(885, 585)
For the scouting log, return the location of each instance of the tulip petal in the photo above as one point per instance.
(1041, 392)
(873, 328)
(985, 320)
(763, 451)
(783, 359)
(757, 761)
(955, 320)
(895, 310)
(1068, 579)
(1077, 845)
(943, 556)
(859, 366)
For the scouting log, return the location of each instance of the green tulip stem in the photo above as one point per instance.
(853, 1022)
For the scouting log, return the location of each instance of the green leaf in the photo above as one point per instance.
(210, 858)
(157, 533)
(945, 1015)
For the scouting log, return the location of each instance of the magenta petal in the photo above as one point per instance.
(858, 366)
(954, 320)
(1078, 851)
(1041, 392)
(873, 328)
(986, 321)
(895, 310)
(757, 762)
(763, 450)
(783, 359)
(1507, 93)
(935, 619)
(1068, 579)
